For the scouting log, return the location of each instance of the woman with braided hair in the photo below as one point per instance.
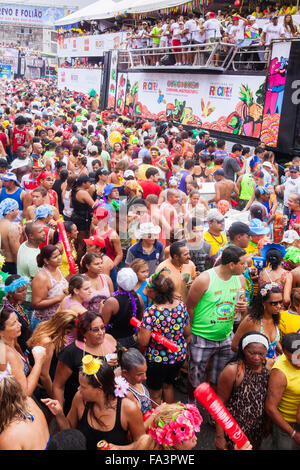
(264, 317)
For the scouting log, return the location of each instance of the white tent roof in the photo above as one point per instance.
(110, 8)
(71, 4)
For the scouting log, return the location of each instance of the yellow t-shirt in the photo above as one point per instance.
(289, 323)
(290, 399)
(215, 242)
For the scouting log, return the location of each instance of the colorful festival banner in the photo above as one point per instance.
(121, 92)
(224, 103)
(275, 92)
(26, 14)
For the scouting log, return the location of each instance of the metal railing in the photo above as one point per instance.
(213, 55)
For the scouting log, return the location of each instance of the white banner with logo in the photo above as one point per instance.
(81, 80)
(225, 103)
(89, 46)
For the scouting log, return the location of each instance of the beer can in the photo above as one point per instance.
(103, 445)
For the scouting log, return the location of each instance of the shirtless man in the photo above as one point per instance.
(223, 187)
(39, 198)
(182, 270)
(170, 210)
(10, 234)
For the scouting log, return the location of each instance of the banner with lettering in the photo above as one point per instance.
(225, 103)
(89, 46)
(31, 15)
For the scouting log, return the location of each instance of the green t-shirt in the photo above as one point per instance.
(214, 313)
(156, 31)
(247, 187)
(105, 157)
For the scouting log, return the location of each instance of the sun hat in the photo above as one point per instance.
(258, 227)
(147, 228)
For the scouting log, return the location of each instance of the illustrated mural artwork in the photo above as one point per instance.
(194, 103)
(274, 99)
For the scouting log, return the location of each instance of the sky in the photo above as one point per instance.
(53, 3)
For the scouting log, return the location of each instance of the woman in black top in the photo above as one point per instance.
(82, 204)
(121, 307)
(91, 339)
(99, 410)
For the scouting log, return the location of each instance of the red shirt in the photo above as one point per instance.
(19, 138)
(149, 187)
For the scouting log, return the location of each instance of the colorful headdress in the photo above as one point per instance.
(16, 284)
(268, 287)
(180, 429)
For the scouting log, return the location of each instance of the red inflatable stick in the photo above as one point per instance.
(67, 247)
(156, 336)
(207, 397)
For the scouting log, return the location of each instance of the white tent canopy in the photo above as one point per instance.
(111, 8)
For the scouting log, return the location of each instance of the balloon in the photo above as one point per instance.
(114, 137)
(223, 206)
(156, 336)
(207, 397)
(67, 247)
(237, 3)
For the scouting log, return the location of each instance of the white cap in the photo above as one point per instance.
(214, 214)
(127, 279)
(290, 236)
(128, 173)
(268, 164)
(174, 129)
(147, 228)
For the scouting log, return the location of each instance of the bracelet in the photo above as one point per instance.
(293, 434)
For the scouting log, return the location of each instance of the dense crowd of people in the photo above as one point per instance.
(115, 231)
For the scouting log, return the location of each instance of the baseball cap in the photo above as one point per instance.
(257, 227)
(128, 174)
(267, 164)
(212, 14)
(108, 189)
(290, 236)
(95, 241)
(214, 214)
(239, 228)
(293, 168)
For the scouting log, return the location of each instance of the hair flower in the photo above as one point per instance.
(121, 387)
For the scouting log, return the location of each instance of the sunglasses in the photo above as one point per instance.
(220, 221)
(274, 303)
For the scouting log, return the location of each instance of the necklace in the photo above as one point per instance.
(215, 238)
(19, 310)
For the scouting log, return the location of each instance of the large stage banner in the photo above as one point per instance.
(89, 46)
(275, 92)
(81, 80)
(225, 103)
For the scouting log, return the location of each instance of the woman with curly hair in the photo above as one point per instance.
(22, 423)
(264, 317)
(52, 335)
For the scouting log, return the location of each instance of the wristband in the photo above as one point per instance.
(293, 434)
